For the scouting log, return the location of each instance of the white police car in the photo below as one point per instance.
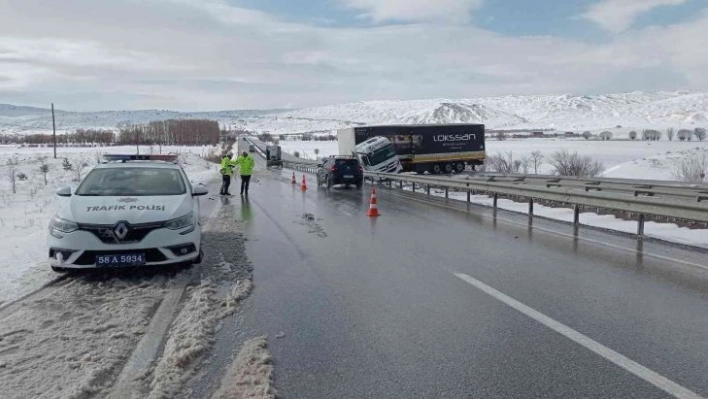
(131, 210)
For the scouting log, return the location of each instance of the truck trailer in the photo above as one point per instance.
(419, 148)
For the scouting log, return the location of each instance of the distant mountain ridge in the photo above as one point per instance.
(562, 112)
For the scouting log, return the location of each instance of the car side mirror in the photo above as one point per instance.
(199, 190)
(319, 165)
(64, 191)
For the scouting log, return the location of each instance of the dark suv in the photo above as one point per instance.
(340, 169)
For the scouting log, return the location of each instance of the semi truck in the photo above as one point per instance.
(417, 148)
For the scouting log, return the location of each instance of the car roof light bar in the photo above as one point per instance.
(137, 157)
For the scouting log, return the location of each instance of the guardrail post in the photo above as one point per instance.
(468, 195)
(400, 184)
(413, 186)
(427, 189)
(530, 209)
(496, 200)
(447, 191)
(390, 183)
(576, 214)
(640, 226)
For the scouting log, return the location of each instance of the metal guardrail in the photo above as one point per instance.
(634, 187)
(643, 197)
(667, 205)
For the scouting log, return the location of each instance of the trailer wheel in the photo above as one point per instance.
(459, 167)
(436, 169)
(448, 167)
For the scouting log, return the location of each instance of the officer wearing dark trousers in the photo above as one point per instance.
(226, 170)
(245, 164)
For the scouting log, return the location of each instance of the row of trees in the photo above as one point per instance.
(169, 132)
(564, 163)
(172, 132)
(78, 138)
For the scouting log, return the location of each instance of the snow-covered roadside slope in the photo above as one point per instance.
(24, 215)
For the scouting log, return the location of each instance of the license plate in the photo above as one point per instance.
(120, 260)
(348, 176)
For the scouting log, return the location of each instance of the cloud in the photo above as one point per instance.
(456, 11)
(182, 54)
(617, 16)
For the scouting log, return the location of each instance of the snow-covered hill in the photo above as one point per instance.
(682, 109)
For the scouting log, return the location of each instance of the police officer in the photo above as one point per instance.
(245, 167)
(226, 170)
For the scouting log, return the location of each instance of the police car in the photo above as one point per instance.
(131, 210)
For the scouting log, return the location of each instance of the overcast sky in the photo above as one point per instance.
(254, 54)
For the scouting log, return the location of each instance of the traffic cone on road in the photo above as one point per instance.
(373, 209)
(294, 182)
(304, 184)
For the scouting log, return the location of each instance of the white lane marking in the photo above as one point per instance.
(620, 360)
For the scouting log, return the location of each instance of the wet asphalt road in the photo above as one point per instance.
(370, 308)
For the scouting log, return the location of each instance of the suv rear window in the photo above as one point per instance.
(132, 182)
(350, 162)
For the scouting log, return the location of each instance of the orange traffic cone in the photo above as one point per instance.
(373, 209)
(293, 180)
(304, 184)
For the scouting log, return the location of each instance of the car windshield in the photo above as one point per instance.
(133, 182)
(380, 155)
(348, 162)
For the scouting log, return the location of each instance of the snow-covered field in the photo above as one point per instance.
(24, 215)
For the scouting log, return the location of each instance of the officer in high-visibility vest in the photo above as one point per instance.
(245, 168)
(226, 169)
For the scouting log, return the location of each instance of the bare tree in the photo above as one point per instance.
(501, 136)
(503, 163)
(537, 160)
(572, 164)
(525, 164)
(684, 135)
(700, 133)
(80, 165)
(692, 169)
(633, 135)
(43, 168)
(670, 132)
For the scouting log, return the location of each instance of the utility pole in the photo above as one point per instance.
(54, 132)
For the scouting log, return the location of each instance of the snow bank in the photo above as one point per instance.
(250, 375)
(24, 215)
(223, 283)
(71, 342)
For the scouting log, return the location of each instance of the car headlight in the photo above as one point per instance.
(181, 222)
(62, 225)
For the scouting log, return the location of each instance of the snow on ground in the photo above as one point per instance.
(250, 375)
(24, 215)
(72, 341)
